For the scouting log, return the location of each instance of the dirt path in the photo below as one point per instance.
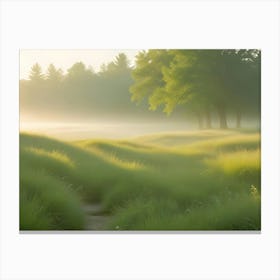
(95, 218)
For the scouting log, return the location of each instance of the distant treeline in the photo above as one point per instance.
(203, 83)
(80, 92)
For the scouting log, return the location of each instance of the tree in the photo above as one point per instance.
(169, 78)
(148, 78)
(53, 74)
(79, 73)
(243, 73)
(78, 88)
(113, 83)
(184, 84)
(200, 80)
(36, 74)
(121, 62)
(118, 67)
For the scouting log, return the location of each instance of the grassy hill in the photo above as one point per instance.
(199, 180)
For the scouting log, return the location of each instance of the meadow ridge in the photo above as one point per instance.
(193, 180)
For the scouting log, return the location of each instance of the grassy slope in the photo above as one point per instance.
(193, 180)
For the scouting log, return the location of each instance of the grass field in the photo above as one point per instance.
(198, 180)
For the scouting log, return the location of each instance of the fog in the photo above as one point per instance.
(121, 100)
(71, 131)
(79, 131)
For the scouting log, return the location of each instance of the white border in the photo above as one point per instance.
(156, 24)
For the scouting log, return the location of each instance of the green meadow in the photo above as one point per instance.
(157, 139)
(193, 180)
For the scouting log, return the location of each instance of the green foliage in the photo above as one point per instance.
(148, 77)
(200, 80)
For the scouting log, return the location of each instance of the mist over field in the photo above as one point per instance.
(119, 96)
(168, 140)
(70, 131)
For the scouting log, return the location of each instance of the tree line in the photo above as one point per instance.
(79, 92)
(204, 82)
(207, 84)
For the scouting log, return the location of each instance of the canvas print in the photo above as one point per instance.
(140, 140)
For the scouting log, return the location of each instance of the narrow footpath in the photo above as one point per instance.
(95, 217)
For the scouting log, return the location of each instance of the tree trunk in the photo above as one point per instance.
(222, 117)
(208, 119)
(238, 119)
(200, 120)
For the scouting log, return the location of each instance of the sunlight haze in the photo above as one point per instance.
(164, 139)
(64, 59)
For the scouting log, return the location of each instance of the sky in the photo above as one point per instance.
(64, 59)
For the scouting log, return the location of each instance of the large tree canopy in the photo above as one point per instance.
(148, 77)
(201, 80)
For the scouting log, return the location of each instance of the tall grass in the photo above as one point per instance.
(238, 213)
(225, 144)
(48, 203)
(185, 181)
(242, 164)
